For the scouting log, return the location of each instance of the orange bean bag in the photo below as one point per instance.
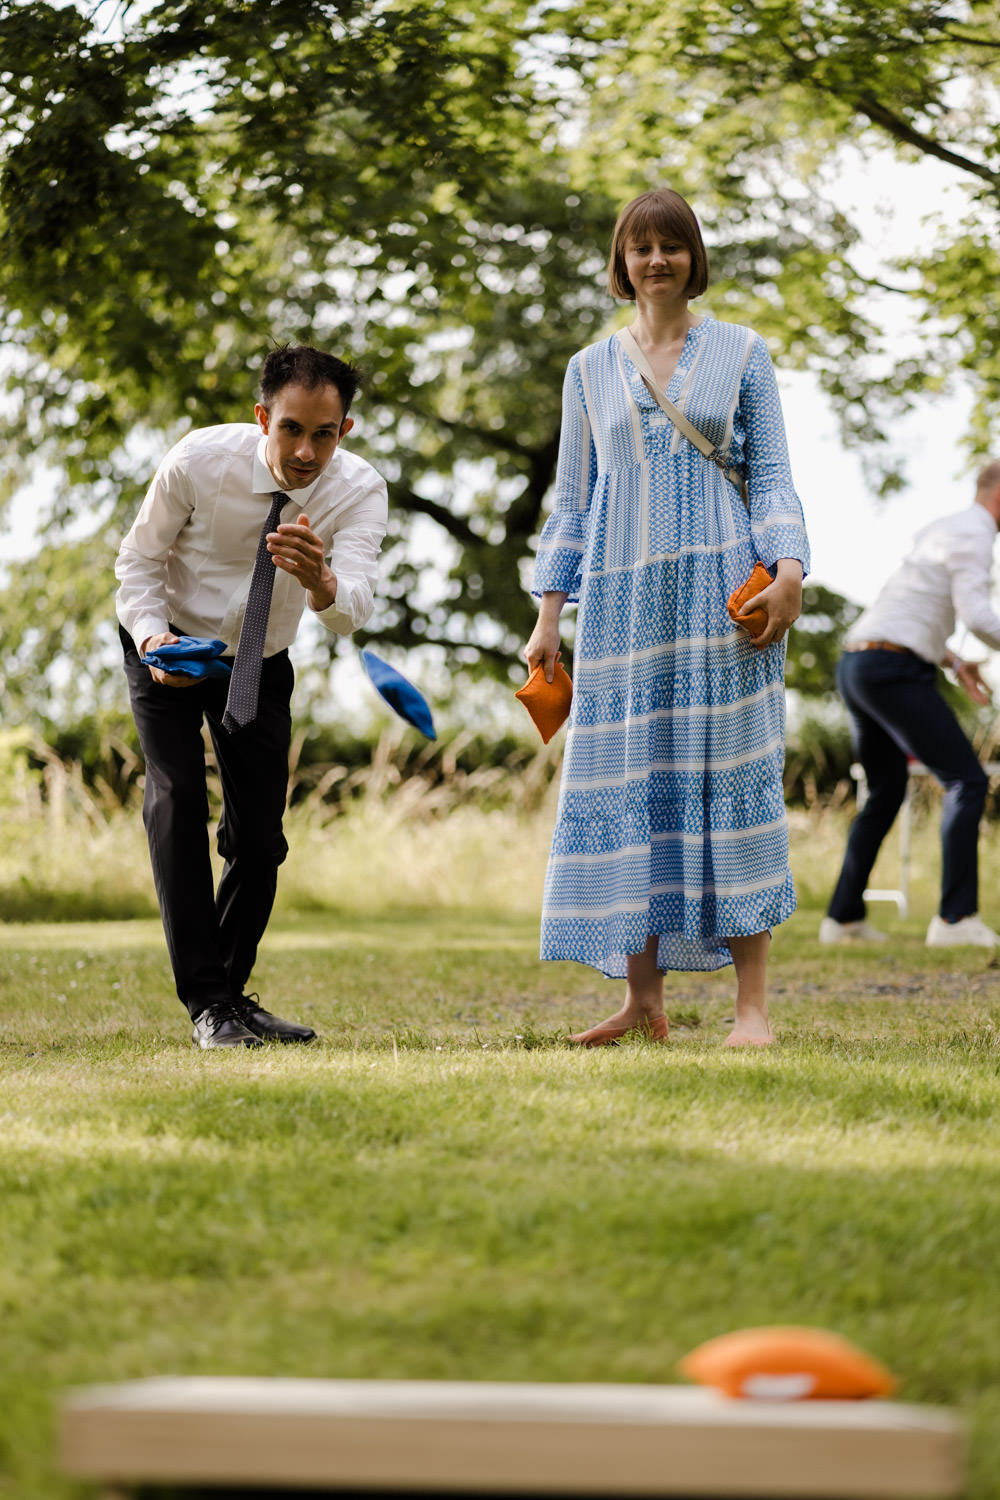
(787, 1364)
(547, 702)
(756, 621)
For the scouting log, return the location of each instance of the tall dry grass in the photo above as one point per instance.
(419, 833)
(437, 836)
(69, 851)
(424, 836)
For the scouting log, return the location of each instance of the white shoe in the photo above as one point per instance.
(831, 931)
(969, 932)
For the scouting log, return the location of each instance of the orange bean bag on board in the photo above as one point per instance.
(787, 1364)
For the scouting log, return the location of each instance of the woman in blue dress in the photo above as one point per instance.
(671, 845)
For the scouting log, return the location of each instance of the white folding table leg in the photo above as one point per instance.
(901, 896)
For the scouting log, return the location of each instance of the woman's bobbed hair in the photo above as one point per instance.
(664, 212)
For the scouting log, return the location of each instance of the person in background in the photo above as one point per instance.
(887, 676)
(671, 845)
(244, 525)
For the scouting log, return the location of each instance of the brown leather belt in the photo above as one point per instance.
(880, 646)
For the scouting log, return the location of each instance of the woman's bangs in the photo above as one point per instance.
(659, 219)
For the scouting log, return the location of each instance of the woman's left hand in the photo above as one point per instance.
(781, 601)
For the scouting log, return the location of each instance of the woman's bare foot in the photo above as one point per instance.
(643, 1008)
(620, 1024)
(752, 1030)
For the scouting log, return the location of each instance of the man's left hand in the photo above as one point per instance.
(296, 549)
(968, 674)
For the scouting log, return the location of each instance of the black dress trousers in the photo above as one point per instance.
(212, 935)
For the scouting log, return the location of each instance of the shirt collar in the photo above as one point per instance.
(264, 482)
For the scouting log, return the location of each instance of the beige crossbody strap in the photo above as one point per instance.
(628, 342)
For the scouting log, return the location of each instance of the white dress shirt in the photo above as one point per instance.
(945, 575)
(189, 556)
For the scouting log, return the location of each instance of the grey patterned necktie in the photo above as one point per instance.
(244, 684)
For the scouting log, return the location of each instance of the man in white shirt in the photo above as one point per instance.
(887, 678)
(185, 569)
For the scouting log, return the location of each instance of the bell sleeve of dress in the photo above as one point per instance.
(559, 561)
(777, 524)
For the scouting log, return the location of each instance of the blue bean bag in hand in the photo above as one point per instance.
(400, 694)
(190, 656)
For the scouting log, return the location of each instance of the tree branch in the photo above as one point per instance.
(970, 41)
(880, 114)
(394, 635)
(455, 526)
(897, 127)
(488, 437)
(523, 515)
(491, 653)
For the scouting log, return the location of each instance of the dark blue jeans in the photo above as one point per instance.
(212, 935)
(896, 711)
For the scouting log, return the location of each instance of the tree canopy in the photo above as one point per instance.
(758, 100)
(430, 189)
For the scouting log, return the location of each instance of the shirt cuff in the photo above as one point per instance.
(340, 617)
(147, 627)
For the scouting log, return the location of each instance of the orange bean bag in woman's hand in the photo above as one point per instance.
(755, 623)
(787, 1364)
(547, 702)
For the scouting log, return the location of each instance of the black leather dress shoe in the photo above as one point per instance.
(267, 1027)
(222, 1026)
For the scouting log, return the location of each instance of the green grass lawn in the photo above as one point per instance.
(442, 1188)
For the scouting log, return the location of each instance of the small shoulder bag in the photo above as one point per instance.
(755, 622)
(687, 429)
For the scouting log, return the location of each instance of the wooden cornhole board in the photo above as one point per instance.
(218, 1435)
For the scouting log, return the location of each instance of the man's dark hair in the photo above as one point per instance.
(301, 364)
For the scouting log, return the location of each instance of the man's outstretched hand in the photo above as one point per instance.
(296, 549)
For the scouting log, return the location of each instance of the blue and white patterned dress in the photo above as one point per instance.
(671, 814)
